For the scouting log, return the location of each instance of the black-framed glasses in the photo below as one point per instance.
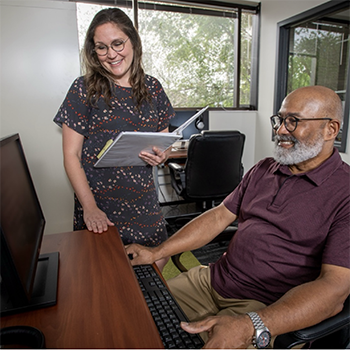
(290, 122)
(117, 46)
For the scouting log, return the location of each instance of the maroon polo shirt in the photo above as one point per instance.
(288, 226)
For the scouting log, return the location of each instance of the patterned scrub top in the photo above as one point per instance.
(126, 194)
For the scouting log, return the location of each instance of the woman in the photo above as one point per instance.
(114, 95)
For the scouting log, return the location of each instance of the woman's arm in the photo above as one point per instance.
(95, 219)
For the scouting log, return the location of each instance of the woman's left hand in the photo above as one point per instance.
(156, 158)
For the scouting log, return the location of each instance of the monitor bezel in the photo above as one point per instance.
(20, 291)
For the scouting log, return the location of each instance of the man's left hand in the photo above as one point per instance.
(225, 332)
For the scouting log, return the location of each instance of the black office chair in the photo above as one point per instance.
(212, 171)
(333, 333)
(213, 168)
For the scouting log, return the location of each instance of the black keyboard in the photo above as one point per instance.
(165, 311)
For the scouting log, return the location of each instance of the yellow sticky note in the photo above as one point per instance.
(104, 149)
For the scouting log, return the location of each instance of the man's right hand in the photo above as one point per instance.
(141, 255)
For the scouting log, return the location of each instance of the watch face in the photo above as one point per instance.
(263, 340)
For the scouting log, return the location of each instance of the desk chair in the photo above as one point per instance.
(213, 168)
(333, 333)
(212, 171)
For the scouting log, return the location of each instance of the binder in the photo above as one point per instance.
(125, 149)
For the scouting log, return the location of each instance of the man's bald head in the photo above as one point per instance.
(324, 101)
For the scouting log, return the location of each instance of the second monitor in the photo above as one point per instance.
(201, 123)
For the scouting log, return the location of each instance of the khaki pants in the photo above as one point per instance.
(197, 298)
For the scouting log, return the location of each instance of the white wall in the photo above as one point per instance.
(39, 60)
(245, 122)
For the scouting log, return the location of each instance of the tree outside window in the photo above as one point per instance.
(194, 56)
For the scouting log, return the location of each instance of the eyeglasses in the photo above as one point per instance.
(290, 122)
(117, 46)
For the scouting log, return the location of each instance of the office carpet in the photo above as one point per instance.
(202, 256)
(187, 259)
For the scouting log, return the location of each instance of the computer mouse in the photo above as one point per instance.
(22, 337)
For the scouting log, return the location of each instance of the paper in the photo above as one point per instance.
(125, 149)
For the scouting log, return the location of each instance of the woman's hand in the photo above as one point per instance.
(156, 158)
(96, 220)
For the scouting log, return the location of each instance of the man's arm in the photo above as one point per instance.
(302, 306)
(195, 234)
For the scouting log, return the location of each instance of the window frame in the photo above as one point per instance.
(185, 6)
(281, 73)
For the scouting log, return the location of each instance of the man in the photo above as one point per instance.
(288, 264)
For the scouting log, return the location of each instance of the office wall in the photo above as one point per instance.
(39, 60)
(245, 122)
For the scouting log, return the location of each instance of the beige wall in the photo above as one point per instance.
(40, 59)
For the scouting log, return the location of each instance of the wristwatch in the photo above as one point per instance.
(262, 337)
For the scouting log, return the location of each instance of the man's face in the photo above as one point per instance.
(297, 150)
(306, 142)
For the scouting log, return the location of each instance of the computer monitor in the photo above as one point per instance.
(28, 280)
(201, 123)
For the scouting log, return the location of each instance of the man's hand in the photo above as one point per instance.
(141, 255)
(225, 332)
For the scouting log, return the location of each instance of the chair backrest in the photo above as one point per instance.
(214, 164)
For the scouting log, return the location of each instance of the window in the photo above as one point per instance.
(314, 50)
(203, 55)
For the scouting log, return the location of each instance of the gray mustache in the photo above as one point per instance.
(285, 138)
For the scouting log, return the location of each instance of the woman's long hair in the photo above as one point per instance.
(99, 82)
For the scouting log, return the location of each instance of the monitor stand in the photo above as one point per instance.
(44, 289)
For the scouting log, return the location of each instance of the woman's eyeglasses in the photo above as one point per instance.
(117, 46)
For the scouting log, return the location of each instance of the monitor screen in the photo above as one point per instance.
(193, 128)
(22, 227)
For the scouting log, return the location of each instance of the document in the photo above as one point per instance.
(125, 149)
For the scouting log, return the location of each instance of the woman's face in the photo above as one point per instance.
(117, 63)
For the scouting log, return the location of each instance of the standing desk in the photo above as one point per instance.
(99, 302)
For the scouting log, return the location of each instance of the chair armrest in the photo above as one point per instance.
(176, 167)
(320, 330)
(177, 178)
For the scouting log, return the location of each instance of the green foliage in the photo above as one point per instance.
(192, 55)
(315, 58)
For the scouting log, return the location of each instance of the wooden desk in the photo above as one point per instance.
(100, 304)
(178, 153)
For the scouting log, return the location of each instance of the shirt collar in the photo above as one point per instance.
(318, 175)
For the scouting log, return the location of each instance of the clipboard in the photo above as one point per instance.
(125, 149)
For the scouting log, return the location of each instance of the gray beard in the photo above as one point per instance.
(299, 153)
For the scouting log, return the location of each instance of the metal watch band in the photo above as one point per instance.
(262, 336)
(257, 322)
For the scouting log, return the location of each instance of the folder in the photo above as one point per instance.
(125, 149)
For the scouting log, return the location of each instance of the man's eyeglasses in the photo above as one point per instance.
(290, 122)
(117, 46)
